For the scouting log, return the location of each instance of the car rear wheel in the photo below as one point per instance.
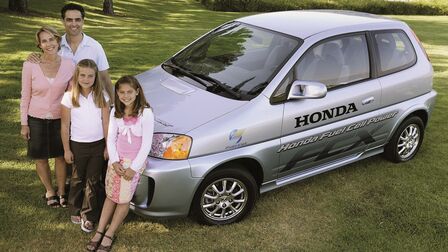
(225, 196)
(406, 141)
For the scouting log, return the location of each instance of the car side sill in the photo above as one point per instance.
(319, 169)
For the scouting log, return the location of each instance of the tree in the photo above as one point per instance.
(108, 7)
(20, 6)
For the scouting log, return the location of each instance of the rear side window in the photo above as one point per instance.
(395, 51)
(336, 62)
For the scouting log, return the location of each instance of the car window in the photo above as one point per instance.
(335, 62)
(395, 51)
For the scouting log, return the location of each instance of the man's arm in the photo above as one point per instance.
(34, 57)
(105, 79)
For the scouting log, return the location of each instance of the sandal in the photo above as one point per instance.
(53, 201)
(93, 245)
(87, 226)
(106, 248)
(63, 201)
(75, 219)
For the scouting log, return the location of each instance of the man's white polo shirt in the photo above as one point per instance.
(86, 121)
(87, 49)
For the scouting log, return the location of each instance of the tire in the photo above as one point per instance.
(212, 205)
(406, 141)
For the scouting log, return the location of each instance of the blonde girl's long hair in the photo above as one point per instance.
(97, 87)
(140, 102)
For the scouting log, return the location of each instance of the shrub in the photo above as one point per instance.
(373, 6)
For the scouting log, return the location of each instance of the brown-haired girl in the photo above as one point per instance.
(85, 119)
(129, 142)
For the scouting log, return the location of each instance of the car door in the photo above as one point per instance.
(318, 131)
(400, 75)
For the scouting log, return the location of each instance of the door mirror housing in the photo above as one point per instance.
(307, 90)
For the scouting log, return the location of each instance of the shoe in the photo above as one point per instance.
(52, 201)
(63, 201)
(93, 245)
(75, 219)
(106, 248)
(87, 226)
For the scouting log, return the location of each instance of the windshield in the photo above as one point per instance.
(236, 60)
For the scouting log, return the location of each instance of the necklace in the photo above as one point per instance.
(55, 61)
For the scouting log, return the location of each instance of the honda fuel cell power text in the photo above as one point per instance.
(267, 100)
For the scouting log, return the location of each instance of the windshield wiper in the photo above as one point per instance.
(186, 73)
(219, 84)
(200, 77)
(244, 83)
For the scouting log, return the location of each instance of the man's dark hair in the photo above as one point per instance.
(72, 6)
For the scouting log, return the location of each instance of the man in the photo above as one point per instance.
(77, 45)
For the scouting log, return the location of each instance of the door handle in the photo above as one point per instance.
(368, 100)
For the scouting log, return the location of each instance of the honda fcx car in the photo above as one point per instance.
(267, 100)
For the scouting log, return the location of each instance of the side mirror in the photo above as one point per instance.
(307, 90)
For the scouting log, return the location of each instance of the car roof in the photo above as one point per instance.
(305, 23)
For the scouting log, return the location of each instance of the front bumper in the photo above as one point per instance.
(166, 189)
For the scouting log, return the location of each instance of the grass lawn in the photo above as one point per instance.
(371, 205)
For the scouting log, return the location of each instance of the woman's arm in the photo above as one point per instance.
(25, 100)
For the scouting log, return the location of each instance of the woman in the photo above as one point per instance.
(43, 85)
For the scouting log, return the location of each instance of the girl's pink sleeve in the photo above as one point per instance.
(147, 132)
(112, 134)
(26, 92)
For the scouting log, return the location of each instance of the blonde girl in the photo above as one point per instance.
(129, 142)
(85, 118)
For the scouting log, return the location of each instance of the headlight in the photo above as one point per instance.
(170, 146)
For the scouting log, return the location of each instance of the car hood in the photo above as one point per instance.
(179, 106)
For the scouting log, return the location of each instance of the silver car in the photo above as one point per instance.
(267, 100)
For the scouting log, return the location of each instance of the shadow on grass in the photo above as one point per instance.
(29, 224)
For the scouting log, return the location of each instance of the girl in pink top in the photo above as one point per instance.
(43, 86)
(129, 139)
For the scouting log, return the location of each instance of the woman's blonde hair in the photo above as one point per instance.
(97, 87)
(52, 31)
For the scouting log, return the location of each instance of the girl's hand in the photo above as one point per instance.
(118, 168)
(25, 132)
(106, 154)
(128, 174)
(68, 156)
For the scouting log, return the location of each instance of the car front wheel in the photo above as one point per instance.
(225, 196)
(406, 141)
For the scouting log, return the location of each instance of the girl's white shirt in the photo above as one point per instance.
(143, 127)
(86, 124)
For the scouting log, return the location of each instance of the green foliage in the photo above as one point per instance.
(372, 6)
(372, 205)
